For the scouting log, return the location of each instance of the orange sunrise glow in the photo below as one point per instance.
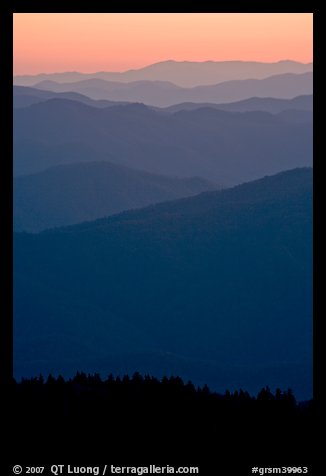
(89, 42)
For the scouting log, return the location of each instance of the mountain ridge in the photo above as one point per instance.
(272, 105)
(207, 278)
(165, 94)
(300, 176)
(192, 73)
(26, 96)
(72, 193)
(208, 143)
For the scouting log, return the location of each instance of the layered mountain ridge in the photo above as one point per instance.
(223, 279)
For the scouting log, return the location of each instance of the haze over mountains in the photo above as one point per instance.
(226, 147)
(217, 287)
(164, 94)
(73, 193)
(214, 287)
(272, 105)
(181, 73)
(26, 96)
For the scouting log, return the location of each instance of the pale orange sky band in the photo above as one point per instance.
(89, 42)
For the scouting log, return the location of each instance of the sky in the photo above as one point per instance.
(90, 42)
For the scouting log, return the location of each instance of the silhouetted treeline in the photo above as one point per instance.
(144, 412)
(147, 388)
